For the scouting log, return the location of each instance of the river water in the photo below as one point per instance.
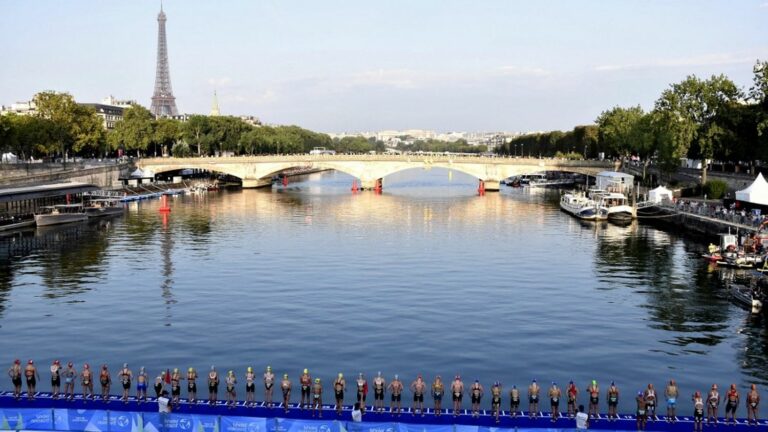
(427, 278)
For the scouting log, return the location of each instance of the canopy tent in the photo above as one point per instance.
(142, 174)
(9, 158)
(659, 194)
(756, 193)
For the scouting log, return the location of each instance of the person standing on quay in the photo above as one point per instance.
(650, 402)
(55, 378)
(362, 391)
(457, 392)
(285, 385)
(418, 387)
(642, 411)
(105, 379)
(698, 412)
(594, 399)
(671, 393)
(15, 373)
(582, 419)
(250, 387)
(554, 401)
(30, 372)
(306, 382)
(753, 400)
(87, 380)
(69, 381)
(213, 386)
(379, 385)
(514, 401)
(338, 391)
(231, 381)
(192, 385)
(175, 387)
(613, 401)
(141, 385)
(125, 377)
(159, 386)
(713, 402)
(573, 394)
(269, 384)
(476, 394)
(438, 388)
(533, 399)
(396, 389)
(317, 397)
(496, 400)
(731, 403)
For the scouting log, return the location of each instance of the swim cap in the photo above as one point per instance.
(175, 370)
(213, 368)
(640, 393)
(230, 373)
(360, 375)
(457, 377)
(379, 374)
(594, 382)
(341, 375)
(125, 365)
(190, 370)
(554, 383)
(55, 362)
(534, 380)
(306, 370)
(86, 366)
(477, 380)
(68, 364)
(570, 382)
(496, 384)
(285, 376)
(250, 369)
(419, 377)
(396, 376)
(317, 380)
(514, 386)
(103, 366)
(269, 368)
(613, 383)
(141, 369)
(31, 362)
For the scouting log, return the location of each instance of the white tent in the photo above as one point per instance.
(659, 194)
(9, 158)
(756, 193)
(142, 174)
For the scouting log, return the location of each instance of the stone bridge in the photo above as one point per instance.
(257, 171)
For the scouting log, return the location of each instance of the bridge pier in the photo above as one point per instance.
(491, 185)
(256, 183)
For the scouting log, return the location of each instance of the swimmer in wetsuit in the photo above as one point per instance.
(533, 399)
(250, 387)
(125, 378)
(476, 394)
(317, 398)
(362, 392)
(418, 387)
(650, 402)
(396, 389)
(514, 401)
(15, 373)
(269, 384)
(594, 400)
(305, 380)
(457, 392)
(642, 413)
(554, 401)
(231, 381)
(573, 394)
(753, 400)
(213, 386)
(141, 385)
(438, 388)
(86, 377)
(496, 400)
(30, 373)
(70, 374)
(175, 386)
(671, 393)
(285, 386)
(339, 385)
(192, 385)
(698, 412)
(55, 378)
(731, 403)
(105, 379)
(713, 402)
(613, 402)
(379, 386)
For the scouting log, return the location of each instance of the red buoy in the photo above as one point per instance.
(481, 188)
(354, 186)
(164, 206)
(285, 180)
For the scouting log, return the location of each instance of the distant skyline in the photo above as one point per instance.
(336, 66)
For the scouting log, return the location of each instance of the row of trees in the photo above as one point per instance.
(707, 119)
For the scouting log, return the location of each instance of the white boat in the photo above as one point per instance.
(746, 296)
(16, 222)
(582, 207)
(99, 207)
(616, 205)
(59, 214)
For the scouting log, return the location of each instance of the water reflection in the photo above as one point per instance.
(166, 249)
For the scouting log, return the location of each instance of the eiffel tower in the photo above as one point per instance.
(163, 101)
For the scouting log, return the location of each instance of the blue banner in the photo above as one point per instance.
(246, 424)
(291, 425)
(403, 427)
(81, 420)
(371, 427)
(123, 421)
(154, 422)
(26, 418)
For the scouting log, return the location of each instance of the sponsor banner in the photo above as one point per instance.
(372, 427)
(81, 420)
(155, 422)
(403, 427)
(123, 421)
(291, 425)
(26, 418)
(246, 424)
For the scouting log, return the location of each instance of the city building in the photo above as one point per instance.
(19, 108)
(109, 114)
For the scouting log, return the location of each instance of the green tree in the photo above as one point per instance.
(73, 127)
(195, 132)
(135, 131)
(616, 128)
(166, 133)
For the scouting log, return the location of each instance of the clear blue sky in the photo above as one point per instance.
(368, 65)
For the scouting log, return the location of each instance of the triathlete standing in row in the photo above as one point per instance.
(192, 385)
(514, 401)
(269, 384)
(379, 387)
(753, 400)
(554, 401)
(69, 381)
(175, 387)
(125, 378)
(698, 412)
(650, 401)
(306, 382)
(141, 385)
(30, 372)
(317, 398)
(573, 393)
(285, 386)
(250, 387)
(105, 379)
(642, 411)
(438, 389)
(396, 390)
(55, 378)
(457, 391)
(339, 385)
(86, 377)
(213, 386)
(15, 373)
(362, 391)
(613, 401)
(672, 394)
(533, 399)
(713, 402)
(418, 387)
(731, 403)
(594, 399)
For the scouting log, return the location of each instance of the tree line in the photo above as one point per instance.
(707, 119)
